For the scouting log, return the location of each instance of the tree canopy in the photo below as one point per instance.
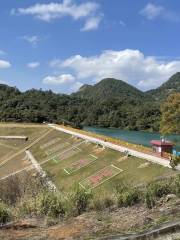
(170, 122)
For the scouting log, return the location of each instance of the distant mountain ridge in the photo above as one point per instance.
(109, 103)
(108, 88)
(167, 88)
(111, 88)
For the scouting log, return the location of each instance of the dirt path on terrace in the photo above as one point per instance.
(25, 148)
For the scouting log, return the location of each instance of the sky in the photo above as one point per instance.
(63, 44)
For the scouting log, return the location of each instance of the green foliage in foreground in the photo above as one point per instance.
(5, 214)
(170, 122)
(51, 204)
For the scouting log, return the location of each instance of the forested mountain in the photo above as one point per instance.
(109, 103)
(109, 88)
(167, 88)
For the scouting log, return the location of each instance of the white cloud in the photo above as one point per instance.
(129, 65)
(33, 40)
(33, 64)
(4, 64)
(91, 23)
(152, 11)
(50, 11)
(58, 80)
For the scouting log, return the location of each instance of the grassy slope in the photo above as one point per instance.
(10, 147)
(131, 173)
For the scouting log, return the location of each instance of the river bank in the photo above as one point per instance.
(134, 137)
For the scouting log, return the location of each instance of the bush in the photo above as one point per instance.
(50, 204)
(46, 203)
(175, 186)
(175, 160)
(128, 197)
(159, 190)
(149, 200)
(80, 201)
(100, 203)
(154, 191)
(5, 215)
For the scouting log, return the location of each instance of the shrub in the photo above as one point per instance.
(175, 186)
(149, 200)
(46, 203)
(159, 190)
(50, 204)
(175, 160)
(5, 215)
(128, 197)
(80, 201)
(100, 203)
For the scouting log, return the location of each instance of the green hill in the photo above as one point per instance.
(109, 88)
(167, 88)
(109, 103)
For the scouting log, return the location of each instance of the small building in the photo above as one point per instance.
(162, 148)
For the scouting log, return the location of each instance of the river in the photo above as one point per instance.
(137, 137)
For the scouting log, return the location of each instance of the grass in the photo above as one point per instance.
(10, 148)
(57, 151)
(66, 182)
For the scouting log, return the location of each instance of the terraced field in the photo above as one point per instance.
(70, 161)
(12, 152)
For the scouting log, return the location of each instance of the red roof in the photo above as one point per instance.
(161, 143)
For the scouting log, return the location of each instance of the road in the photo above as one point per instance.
(42, 173)
(146, 156)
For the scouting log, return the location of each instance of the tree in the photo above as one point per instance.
(175, 160)
(170, 122)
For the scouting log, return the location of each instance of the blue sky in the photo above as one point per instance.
(61, 45)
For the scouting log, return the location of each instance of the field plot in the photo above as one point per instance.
(52, 142)
(13, 158)
(75, 166)
(53, 146)
(69, 160)
(100, 177)
(15, 165)
(57, 148)
(79, 170)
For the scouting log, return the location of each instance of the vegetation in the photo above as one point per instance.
(57, 206)
(4, 213)
(175, 160)
(171, 115)
(110, 103)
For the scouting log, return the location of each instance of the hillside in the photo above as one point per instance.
(109, 88)
(80, 189)
(167, 88)
(109, 103)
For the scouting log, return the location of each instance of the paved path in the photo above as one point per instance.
(151, 158)
(42, 173)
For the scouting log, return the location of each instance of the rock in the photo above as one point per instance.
(169, 197)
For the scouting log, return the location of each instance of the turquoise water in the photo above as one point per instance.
(137, 137)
